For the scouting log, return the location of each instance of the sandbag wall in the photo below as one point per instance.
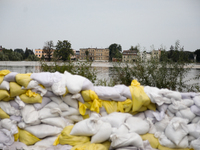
(64, 111)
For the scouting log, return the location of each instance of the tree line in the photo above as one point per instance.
(63, 50)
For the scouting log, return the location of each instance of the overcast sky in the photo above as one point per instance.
(100, 23)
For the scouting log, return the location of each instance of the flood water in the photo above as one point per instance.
(104, 69)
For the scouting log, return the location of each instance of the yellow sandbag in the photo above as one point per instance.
(82, 108)
(66, 138)
(96, 104)
(8, 99)
(89, 146)
(160, 147)
(15, 89)
(89, 95)
(122, 106)
(139, 97)
(27, 138)
(110, 106)
(23, 79)
(154, 142)
(3, 114)
(1, 79)
(4, 94)
(67, 91)
(31, 97)
(16, 136)
(152, 106)
(4, 72)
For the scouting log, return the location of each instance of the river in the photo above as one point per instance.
(104, 69)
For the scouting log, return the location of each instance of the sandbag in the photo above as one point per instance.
(103, 134)
(46, 113)
(6, 137)
(23, 79)
(10, 77)
(91, 146)
(196, 100)
(87, 127)
(58, 88)
(70, 111)
(15, 89)
(3, 114)
(116, 119)
(138, 125)
(4, 94)
(69, 101)
(45, 101)
(56, 99)
(58, 122)
(186, 113)
(188, 95)
(46, 142)
(7, 108)
(75, 118)
(128, 139)
(195, 110)
(31, 97)
(87, 85)
(152, 140)
(66, 138)
(5, 86)
(47, 78)
(124, 128)
(43, 130)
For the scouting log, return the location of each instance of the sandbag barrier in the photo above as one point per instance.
(64, 111)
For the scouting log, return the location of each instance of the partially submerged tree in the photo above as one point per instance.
(115, 51)
(63, 50)
(48, 50)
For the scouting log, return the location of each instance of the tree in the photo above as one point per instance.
(27, 53)
(197, 53)
(63, 50)
(115, 51)
(87, 53)
(48, 49)
(19, 51)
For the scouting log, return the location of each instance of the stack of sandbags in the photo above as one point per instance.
(45, 109)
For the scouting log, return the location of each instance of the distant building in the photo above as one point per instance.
(145, 56)
(94, 54)
(38, 52)
(1, 48)
(129, 55)
(77, 55)
(155, 54)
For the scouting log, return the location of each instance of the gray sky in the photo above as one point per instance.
(100, 23)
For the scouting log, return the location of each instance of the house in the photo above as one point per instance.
(145, 56)
(155, 54)
(129, 55)
(94, 54)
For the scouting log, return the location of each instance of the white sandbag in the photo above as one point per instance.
(6, 137)
(58, 88)
(116, 119)
(195, 144)
(30, 115)
(5, 106)
(56, 99)
(46, 113)
(176, 130)
(103, 111)
(169, 113)
(16, 118)
(58, 122)
(161, 125)
(179, 105)
(45, 101)
(107, 93)
(43, 130)
(16, 146)
(126, 92)
(5, 86)
(138, 125)
(51, 105)
(186, 113)
(46, 78)
(63, 106)
(14, 104)
(22, 125)
(74, 83)
(196, 100)
(32, 84)
(78, 97)
(70, 111)
(140, 115)
(47, 141)
(103, 134)
(8, 123)
(195, 110)
(75, 118)
(40, 90)
(87, 127)
(19, 102)
(152, 128)
(36, 147)
(188, 95)
(70, 101)
(162, 107)
(194, 129)
(171, 94)
(10, 77)
(87, 85)
(164, 141)
(49, 94)
(59, 147)
(128, 139)
(191, 138)
(124, 128)
(196, 119)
